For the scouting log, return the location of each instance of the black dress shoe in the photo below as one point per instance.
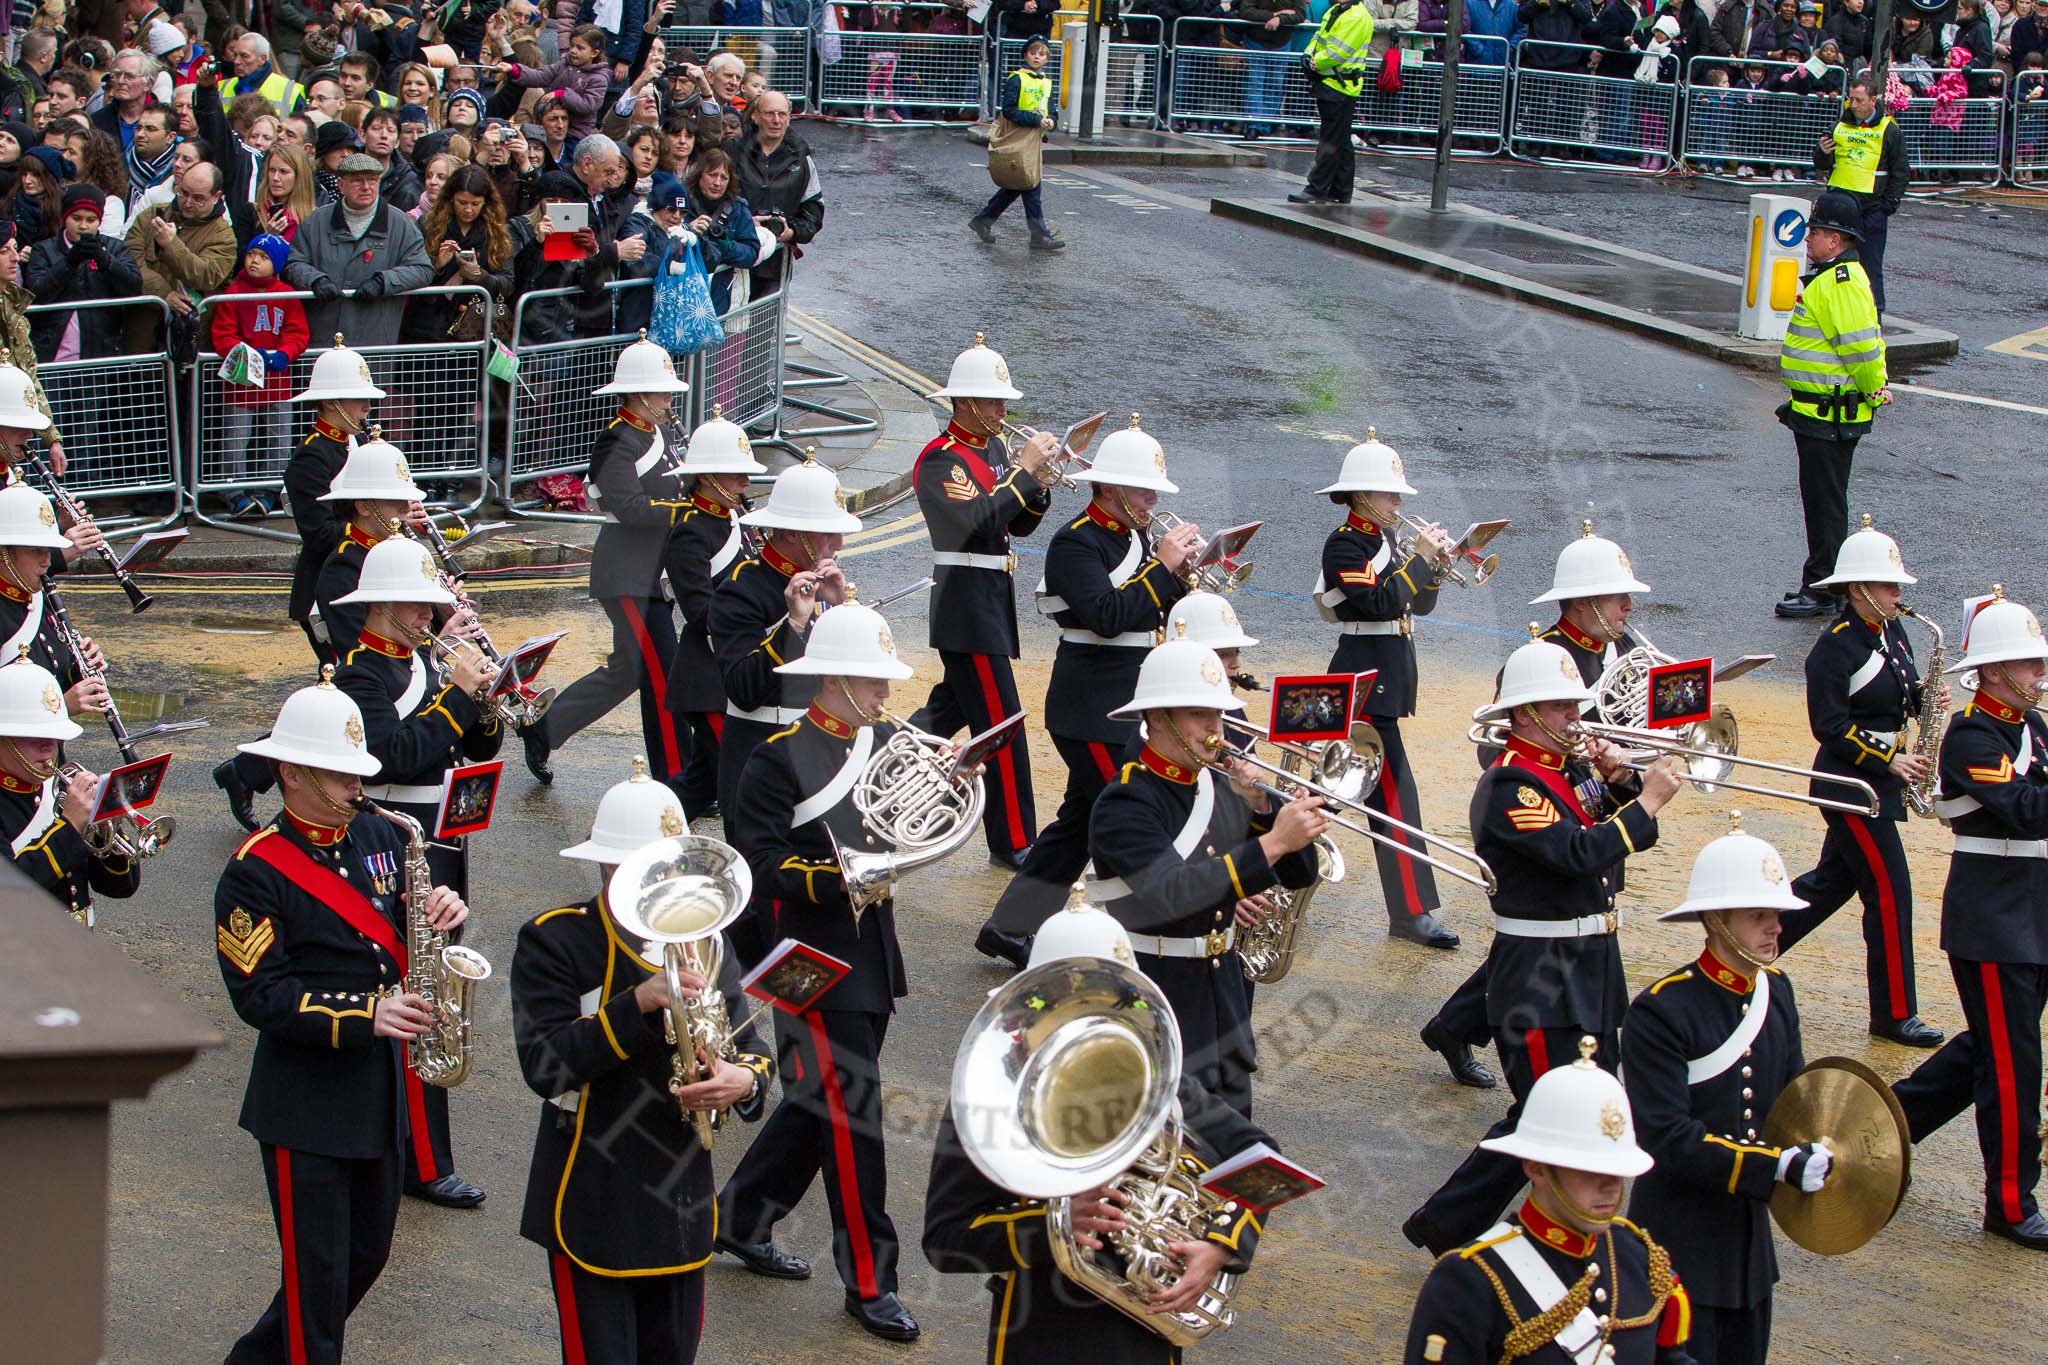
(885, 1317)
(2032, 1234)
(1912, 1031)
(1013, 861)
(450, 1192)
(1011, 948)
(1304, 197)
(535, 740)
(1465, 1068)
(1801, 607)
(241, 801)
(766, 1258)
(1423, 929)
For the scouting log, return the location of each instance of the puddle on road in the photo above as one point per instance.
(238, 625)
(136, 706)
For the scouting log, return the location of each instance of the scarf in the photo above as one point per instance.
(146, 173)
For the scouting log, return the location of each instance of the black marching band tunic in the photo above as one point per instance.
(309, 475)
(706, 544)
(50, 853)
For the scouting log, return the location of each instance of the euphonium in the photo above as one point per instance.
(679, 895)
(1066, 1082)
(1266, 950)
(441, 973)
(908, 798)
(1933, 717)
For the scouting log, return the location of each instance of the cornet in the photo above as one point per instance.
(130, 834)
(1483, 568)
(1224, 576)
(1069, 459)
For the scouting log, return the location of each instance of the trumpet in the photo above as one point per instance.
(1224, 576)
(1070, 458)
(1293, 785)
(492, 709)
(1483, 567)
(1709, 750)
(525, 704)
(908, 797)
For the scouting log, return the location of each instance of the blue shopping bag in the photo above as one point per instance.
(683, 320)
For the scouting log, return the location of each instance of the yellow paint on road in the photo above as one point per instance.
(2032, 345)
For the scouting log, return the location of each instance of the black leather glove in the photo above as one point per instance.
(325, 290)
(371, 288)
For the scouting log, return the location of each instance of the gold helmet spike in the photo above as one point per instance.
(1588, 1045)
(327, 676)
(1372, 433)
(376, 431)
(718, 412)
(1735, 822)
(977, 339)
(338, 343)
(643, 334)
(1586, 529)
(852, 591)
(810, 454)
(1180, 630)
(1134, 421)
(1535, 630)
(21, 653)
(1866, 521)
(639, 769)
(1998, 591)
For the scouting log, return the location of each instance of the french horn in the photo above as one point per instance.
(909, 798)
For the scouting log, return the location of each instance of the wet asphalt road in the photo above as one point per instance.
(1256, 359)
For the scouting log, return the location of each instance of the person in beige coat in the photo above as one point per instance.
(186, 251)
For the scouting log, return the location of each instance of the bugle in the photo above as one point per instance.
(1223, 577)
(1483, 566)
(1296, 785)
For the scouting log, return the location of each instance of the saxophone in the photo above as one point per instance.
(1933, 717)
(1266, 950)
(441, 973)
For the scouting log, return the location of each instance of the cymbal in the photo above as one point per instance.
(1845, 1102)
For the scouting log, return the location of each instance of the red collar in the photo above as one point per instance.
(333, 433)
(1158, 763)
(1527, 755)
(1547, 769)
(1577, 636)
(1998, 708)
(828, 722)
(1104, 519)
(9, 782)
(1723, 975)
(1362, 523)
(633, 419)
(956, 432)
(1552, 1233)
(715, 508)
(358, 535)
(779, 561)
(390, 649)
(1874, 627)
(319, 836)
(12, 593)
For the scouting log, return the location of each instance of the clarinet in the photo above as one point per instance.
(53, 607)
(138, 600)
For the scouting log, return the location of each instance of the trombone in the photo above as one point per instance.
(1483, 567)
(1348, 768)
(1296, 785)
(1708, 756)
(1224, 576)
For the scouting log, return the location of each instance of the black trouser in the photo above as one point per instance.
(1730, 1336)
(977, 691)
(1406, 883)
(1335, 161)
(1061, 850)
(1034, 210)
(1824, 494)
(334, 1219)
(1471, 1201)
(1870, 251)
(697, 788)
(1462, 1018)
(1863, 857)
(829, 1122)
(1995, 1064)
(643, 650)
(430, 1153)
(637, 1320)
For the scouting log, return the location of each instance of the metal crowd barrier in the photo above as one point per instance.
(1479, 111)
(1974, 146)
(2027, 125)
(115, 414)
(435, 412)
(743, 377)
(1577, 117)
(1137, 70)
(1727, 129)
(1251, 87)
(763, 48)
(916, 75)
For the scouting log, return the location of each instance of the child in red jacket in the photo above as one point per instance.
(253, 433)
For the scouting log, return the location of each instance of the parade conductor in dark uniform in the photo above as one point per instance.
(1109, 587)
(975, 499)
(1994, 796)
(309, 928)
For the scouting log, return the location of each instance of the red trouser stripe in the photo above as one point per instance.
(1539, 1054)
(842, 1152)
(1390, 792)
(1103, 762)
(650, 663)
(565, 1310)
(422, 1140)
(1006, 766)
(288, 1237)
(1887, 912)
(2009, 1136)
(716, 720)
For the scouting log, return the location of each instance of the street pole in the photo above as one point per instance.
(1093, 55)
(1454, 32)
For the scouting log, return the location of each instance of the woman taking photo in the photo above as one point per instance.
(469, 242)
(286, 199)
(725, 229)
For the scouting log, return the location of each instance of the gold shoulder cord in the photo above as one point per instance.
(1527, 1337)
(1660, 1282)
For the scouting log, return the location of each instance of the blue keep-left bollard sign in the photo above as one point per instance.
(1789, 227)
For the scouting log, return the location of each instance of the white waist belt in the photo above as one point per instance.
(2002, 848)
(406, 794)
(767, 715)
(1130, 639)
(1581, 927)
(1370, 628)
(1205, 945)
(960, 559)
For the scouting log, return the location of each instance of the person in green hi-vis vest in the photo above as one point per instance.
(1865, 156)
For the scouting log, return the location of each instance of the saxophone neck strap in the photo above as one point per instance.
(330, 889)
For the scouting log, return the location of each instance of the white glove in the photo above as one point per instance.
(1806, 1166)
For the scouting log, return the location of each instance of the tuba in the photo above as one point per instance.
(678, 895)
(1066, 1081)
(909, 798)
(441, 973)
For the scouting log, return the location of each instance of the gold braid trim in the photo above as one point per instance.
(1660, 1283)
(1527, 1338)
